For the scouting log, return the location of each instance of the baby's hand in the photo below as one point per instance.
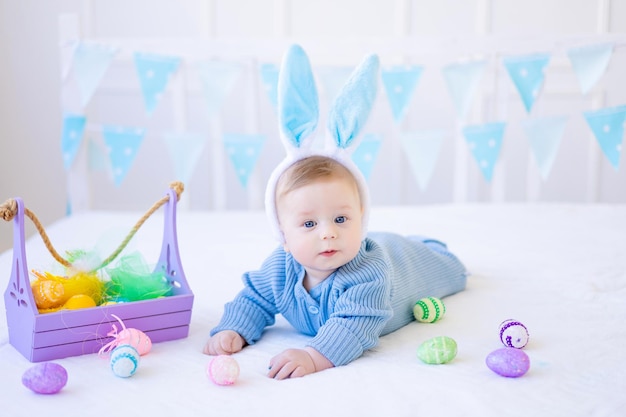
(225, 342)
(291, 363)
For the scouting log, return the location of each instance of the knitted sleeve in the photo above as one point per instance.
(254, 308)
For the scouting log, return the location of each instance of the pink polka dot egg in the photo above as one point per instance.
(223, 370)
(513, 334)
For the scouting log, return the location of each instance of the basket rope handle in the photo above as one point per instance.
(8, 210)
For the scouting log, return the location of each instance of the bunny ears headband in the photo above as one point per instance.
(298, 113)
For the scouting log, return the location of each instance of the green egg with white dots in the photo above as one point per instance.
(438, 350)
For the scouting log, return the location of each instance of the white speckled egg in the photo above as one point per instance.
(223, 370)
(508, 362)
(513, 334)
(124, 361)
(429, 310)
(438, 350)
(45, 378)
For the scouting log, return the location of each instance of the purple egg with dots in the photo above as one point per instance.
(513, 334)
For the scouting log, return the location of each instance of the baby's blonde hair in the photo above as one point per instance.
(309, 170)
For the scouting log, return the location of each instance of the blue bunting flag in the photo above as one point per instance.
(463, 80)
(485, 142)
(154, 72)
(364, 156)
(545, 136)
(218, 78)
(244, 151)
(590, 63)
(400, 84)
(528, 74)
(91, 61)
(122, 146)
(269, 79)
(185, 149)
(72, 137)
(608, 127)
(422, 150)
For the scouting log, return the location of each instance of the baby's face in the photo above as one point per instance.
(322, 225)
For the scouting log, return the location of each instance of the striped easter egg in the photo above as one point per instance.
(124, 361)
(429, 310)
(438, 350)
(513, 334)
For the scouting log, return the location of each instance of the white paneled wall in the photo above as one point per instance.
(339, 33)
(334, 32)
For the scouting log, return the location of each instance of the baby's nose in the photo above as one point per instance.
(329, 232)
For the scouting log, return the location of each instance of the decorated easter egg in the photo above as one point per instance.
(45, 378)
(124, 361)
(78, 301)
(136, 338)
(513, 334)
(438, 350)
(48, 293)
(223, 370)
(429, 310)
(509, 362)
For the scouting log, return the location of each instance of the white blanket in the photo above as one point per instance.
(560, 269)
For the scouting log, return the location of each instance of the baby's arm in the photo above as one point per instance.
(295, 363)
(225, 342)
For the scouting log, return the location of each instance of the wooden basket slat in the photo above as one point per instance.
(84, 317)
(99, 331)
(93, 346)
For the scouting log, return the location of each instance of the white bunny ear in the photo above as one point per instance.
(298, 103)
(353, 104)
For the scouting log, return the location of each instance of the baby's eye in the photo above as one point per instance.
(309, 223)
(340, 219)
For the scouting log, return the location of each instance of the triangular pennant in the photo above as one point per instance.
(122, 146)
(400, 83)
(590, 63)
(545, 136)
(332, 79)
(73, 132)
(485, 142)
(154, 72)
(608, 127)
(364, 156)
(97, 156)
(66, 55)
(463, 80)
(185, 150)
(422, 150)
(218, 78)
(91, 61)
(269, 79)
(244, 151)
(528, 73)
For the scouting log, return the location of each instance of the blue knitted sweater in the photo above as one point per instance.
(370, 296)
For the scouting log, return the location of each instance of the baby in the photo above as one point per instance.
(329, 279)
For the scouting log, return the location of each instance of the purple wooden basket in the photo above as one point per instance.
(48, 336)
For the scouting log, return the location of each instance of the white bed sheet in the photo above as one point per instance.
(560, 269)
